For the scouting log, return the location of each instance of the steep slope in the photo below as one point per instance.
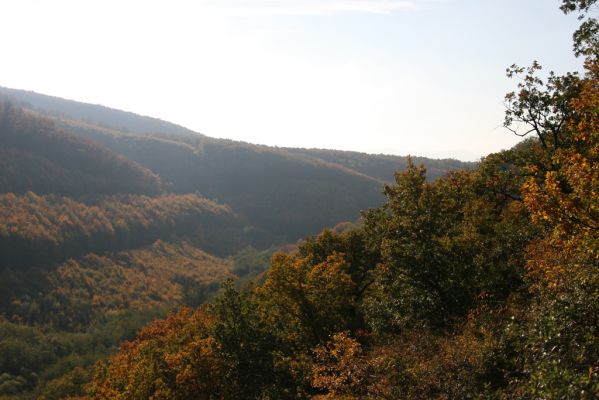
(55, 323)
(279, 191)
(78, 276)
(72, 294)
(36, 156)
(41, 230)
(96, 114)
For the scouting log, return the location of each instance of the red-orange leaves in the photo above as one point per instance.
(170, 359)
(341, 368)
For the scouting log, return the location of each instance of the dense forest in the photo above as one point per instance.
(482, 284)
(35, 156)
(104, 229)
(141, 260)
(278, 191)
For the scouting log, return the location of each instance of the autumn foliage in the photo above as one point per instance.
(482, 284)
(40, 229)
(35, 155)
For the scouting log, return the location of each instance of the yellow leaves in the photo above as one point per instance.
(330, 276)
(341, 368)
(566, 199)
(551, 182)
(141, 279)
(59, 225)
(196, 366)
(307, 301)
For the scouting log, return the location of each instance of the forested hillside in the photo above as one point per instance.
(58, 320)
(276, 191)
(35, 156)
(381, 166)
(279, 191)
(92, 247)
(78, 276)
(483, 284)
(141, 260)
(38, 230)
(91, 113)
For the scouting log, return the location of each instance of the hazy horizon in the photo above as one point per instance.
(421, 77)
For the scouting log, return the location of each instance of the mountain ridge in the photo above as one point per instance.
(277, 190)
(43, 102)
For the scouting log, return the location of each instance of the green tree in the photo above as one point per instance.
(444, 244)
(245, 344)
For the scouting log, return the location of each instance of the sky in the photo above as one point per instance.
(420, 77)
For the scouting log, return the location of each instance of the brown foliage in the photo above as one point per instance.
(41, 229)
(170, 359)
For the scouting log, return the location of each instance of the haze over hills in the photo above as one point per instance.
(275, 189)
(141, 260)
(109, 219)
(39, 157)
(89, 112)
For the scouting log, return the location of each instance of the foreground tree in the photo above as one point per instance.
(560, 350)
(443, 245)
(170, 359)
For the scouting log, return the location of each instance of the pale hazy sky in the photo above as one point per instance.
(421, 77)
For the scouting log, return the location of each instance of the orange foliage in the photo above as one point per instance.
(40, 229)
(565, 197)
(170, 359)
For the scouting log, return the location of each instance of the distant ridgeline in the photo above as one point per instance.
(277, 190)
(479, 283)
(36, 156)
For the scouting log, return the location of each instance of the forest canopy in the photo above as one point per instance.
(481, 284)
